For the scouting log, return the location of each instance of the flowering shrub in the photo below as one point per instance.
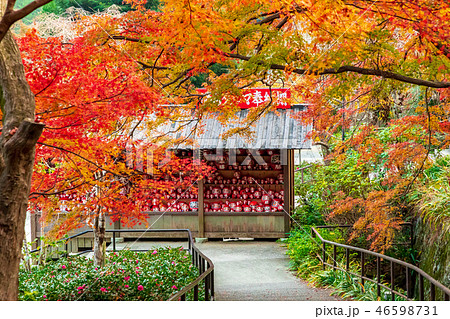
(127, 275)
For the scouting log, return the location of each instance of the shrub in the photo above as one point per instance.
(303, 250)
(127, 275)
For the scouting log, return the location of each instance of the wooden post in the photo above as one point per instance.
(201, 210)
(33, 226)
(291, 177)
(288, 174)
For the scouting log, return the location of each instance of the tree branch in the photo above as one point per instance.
(79, 156)
(11, 16)
(24, 138)
(353, 69)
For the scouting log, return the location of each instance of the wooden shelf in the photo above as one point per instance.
(244, 214)
(190, 213)
(250, 170)
(233, 199)
(218, 213)
(244, 184)
(253, 156)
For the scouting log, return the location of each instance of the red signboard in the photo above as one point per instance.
(257, 97)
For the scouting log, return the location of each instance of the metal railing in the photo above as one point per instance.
(302, 171)
(203, 263)
(408, 270)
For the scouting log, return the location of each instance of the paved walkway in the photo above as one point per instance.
(256, 270)
(249, 270)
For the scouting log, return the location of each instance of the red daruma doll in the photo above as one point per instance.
(265, 199)
(193, 205)
(226, 192)
(276, 204)
(216, 192)
(215, 206)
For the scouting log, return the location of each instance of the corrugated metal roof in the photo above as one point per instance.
(276, 130)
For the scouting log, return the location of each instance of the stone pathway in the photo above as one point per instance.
(249, 271)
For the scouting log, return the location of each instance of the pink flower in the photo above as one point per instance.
(127, 278)
(174, 287)
(44, 296)
(63, 266)
(126, 286)
(176, 272)
(154, 252)
(173, 263)
(137, 261)
(140, 287)
(79, 292)
(80, 288)
(103, 289)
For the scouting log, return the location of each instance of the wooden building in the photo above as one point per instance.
(251, 193)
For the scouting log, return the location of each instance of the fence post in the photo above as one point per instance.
(432, 292)
(212, 285)
(362, 268)
(408, 283)
(206, 288)
(196, 293)
(378, 276)
(114, 241)
(392, 281)
(334, 257)
(347, 259)
(324, 255)
(421, 290)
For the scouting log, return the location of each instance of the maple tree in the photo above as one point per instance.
(376, 70)
(92, 99)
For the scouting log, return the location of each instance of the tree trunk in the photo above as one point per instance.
(17, 150)
(99, 240)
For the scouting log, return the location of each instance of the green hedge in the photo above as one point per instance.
(127, 275)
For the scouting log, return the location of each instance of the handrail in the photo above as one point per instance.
(302, 169)
(203, 263)
(379, 257)
(408, 224)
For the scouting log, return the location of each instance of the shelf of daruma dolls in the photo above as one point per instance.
(190, 213)
(244, 213)
(233, 199)
(251, 170)
(244, 185)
